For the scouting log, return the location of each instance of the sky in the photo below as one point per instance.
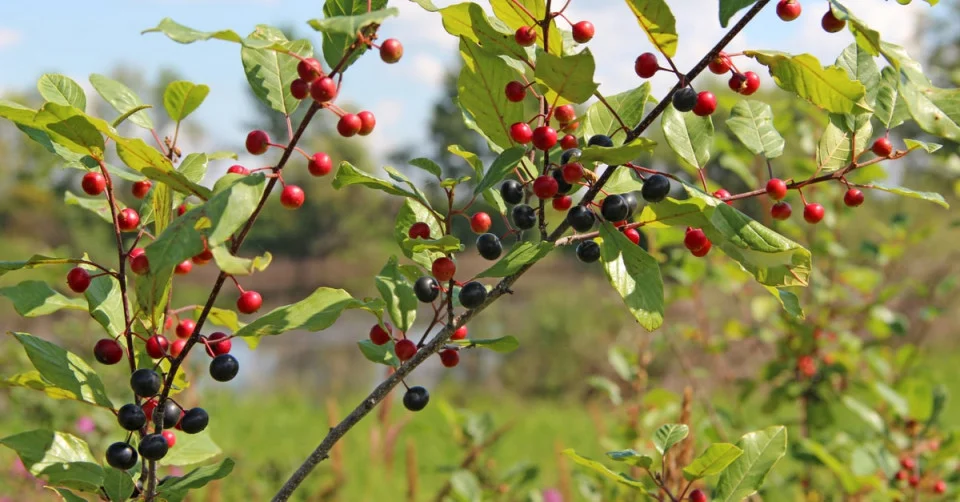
(95, 36)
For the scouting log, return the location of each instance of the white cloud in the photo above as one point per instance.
(389, 112)
(427, 69)
(9, 38)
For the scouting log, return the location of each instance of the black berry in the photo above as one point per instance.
(426, 289)
(145, 382)
(655, 188)
(153, 447)
(473, 294)
(581, 218)
(512, 192)
(631, 199)
(588, 251)
(131, 417)
(571, 155)
(170, 413)
(563, 187)
(524, 217)
(121, 456)
(489, 246)
(416, 398)
(224, 367)
(685, 99)
(194, 420)
(600, 140)
(614, 208)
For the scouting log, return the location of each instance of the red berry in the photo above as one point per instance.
(309, 69)
(157, 346)
(569, 141)
(349, 125)
(379, 335)
(148, 408)
(218, 343)
(813, 213)
(177, 347)
(323, 90)
(882, 147)
(646, 65)
(781, 211)
(93, 183)
(562, 202)
(698, 496)
(391, 50)
(914, 480)
(367, 122)
(565, 114)
(480, 223)
(168, 323)
(419, 230)
(706, 104)
(78, 279)
(249, 302)
(450, 357)
(521, 133)
(185, 328)
(405, 349)
(907, 463)
(443, 269)
(572, 172)
(545, 186)
(853, 197)
(583, 32)
(632, 234)
(695, 239)
(544, 138)
(257, 142)
(723, 193)
(128, 219)
(170, 437)
(737, 82)
(940, 487)
(526, 36)
(140, 188)
(108, 351)
(460, 333)
(902, 475)
(234, 169)
(751, 84)
(203, 258)
(571, 127)
(140, 265)
(183, 268)
(299, 88)
(292, 197)
(807, 366)
(320, 164)
(515, 91)
(702, 251)
(788, 10)
(182, 208)
(720, 64)
(830, 23)
(135, 252)
(776, 188)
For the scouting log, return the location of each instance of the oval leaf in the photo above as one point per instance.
(634, 274)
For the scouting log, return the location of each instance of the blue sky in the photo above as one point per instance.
(79, 38)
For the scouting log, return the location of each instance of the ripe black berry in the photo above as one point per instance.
(489, 246)
(512, 192)
(416, 398)
(524, 217)
(631, 199)
(121, 456)
(655, 188)
(563, 187)
(571, 155)
(170, 413)
(131, 417)
(581, 218)
(145, 382)
(600, 140)
(685, 99)
(153, 447)
(588, 251)
(224, 367)
(194, 420)
(426, 289)
(473, 294)
(614, 208)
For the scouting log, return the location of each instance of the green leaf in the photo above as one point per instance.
(37, 298)
(715, 460)
(191, 449)
(867, 38)
(222, 317)
(234, 265)
(71, 128)
(521, 255)
(33, 262)
(569, 77)
(105, 302)
(861, 67)
(623, 180)
(380, 354)
(634, 274)
(66, 495)
(868, 415)
(516, 13)
(752, 123)
(628, 105)
(829, 88)
(117, 484)
(480, 93)
(503, 345)
(471, 159)
(270, 73)
(504, 164)
(58, 458)
(141, 157)
(788, 300)
(122, 99)
(668, 435)
(60, 89)
(443, 245)
(906, 192)
(833, 149)
(335, 44)
(316, 312)
(689, 136)
(847, 479)
(468, 20)
(466, 486)
(185, 35)
(617, 155)
(181, 98)
(122, 118)
(935, 110)
(397, 293)
(657, 22)
(897, 402)
(913, 144)
(606, 385)
(348, 175)
(59, 374)
(631, 457)
(175, 490)
(412, 212)
(761, 452)
(603, 470)
(351, 25)
(891, 109)
(98, 206)
(729, 8)
(428, 166)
